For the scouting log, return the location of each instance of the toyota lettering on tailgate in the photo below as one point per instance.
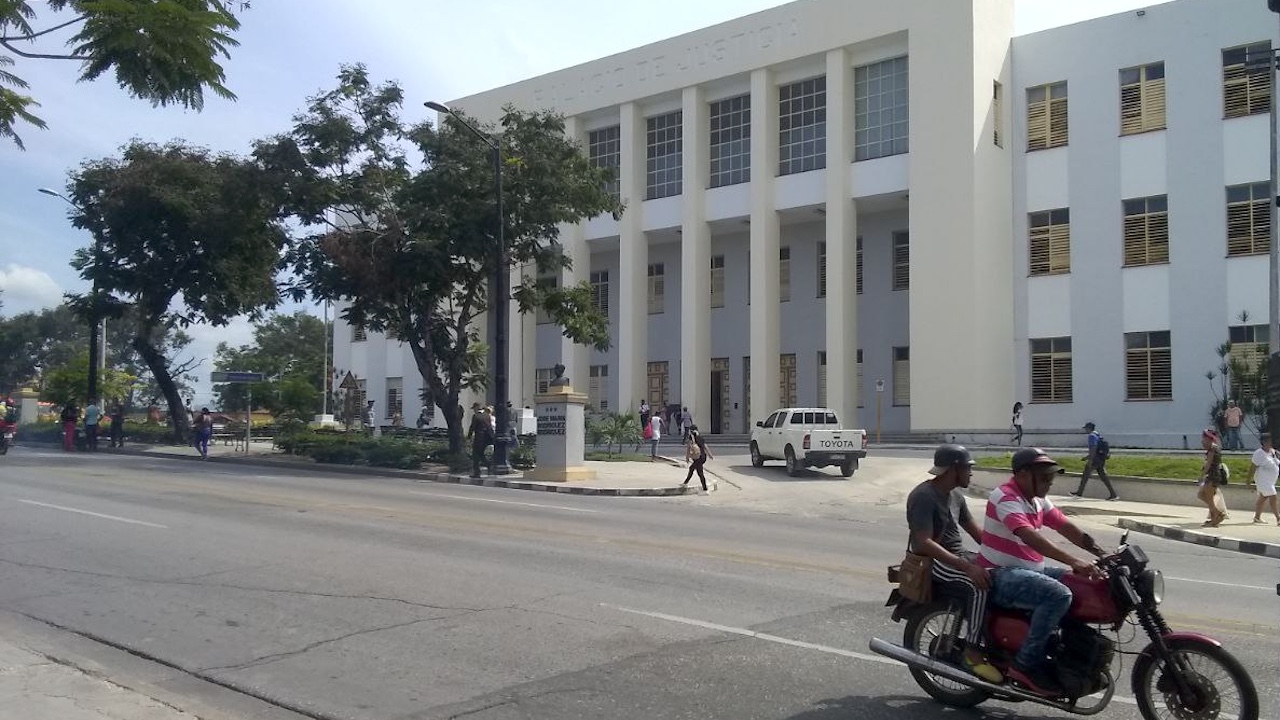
(835, 443)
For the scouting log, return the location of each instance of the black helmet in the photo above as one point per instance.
(948, 456)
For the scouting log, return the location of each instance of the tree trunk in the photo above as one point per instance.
(159, 367)
(445, 398)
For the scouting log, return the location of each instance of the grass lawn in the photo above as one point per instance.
(616, 457)
(1174, 467)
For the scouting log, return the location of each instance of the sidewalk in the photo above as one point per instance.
(1181, 522)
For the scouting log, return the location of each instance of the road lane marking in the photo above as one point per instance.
(783, 641)
(1211, 582)
(509, 502)
(94, 514)
(757, 635)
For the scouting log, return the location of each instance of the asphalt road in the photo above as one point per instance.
(363, 598)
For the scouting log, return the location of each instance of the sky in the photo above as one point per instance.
(435, 50)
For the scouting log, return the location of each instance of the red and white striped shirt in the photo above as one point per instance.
(1007, 511)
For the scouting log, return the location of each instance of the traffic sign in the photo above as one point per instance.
(879, 386)
(235, 376)
(349, 382)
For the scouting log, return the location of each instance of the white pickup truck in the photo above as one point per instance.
(807, 437)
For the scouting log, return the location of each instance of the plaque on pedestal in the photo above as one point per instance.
(561, 423)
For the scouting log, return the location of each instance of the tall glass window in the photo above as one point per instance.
(731, 141)
(880, 110)
(665, 155)
(604, 148)
(802, 126)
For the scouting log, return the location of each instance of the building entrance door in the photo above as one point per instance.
(721, 405)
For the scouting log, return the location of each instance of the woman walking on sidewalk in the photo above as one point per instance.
(1265, 470)
(1212, 474)
(697, 452)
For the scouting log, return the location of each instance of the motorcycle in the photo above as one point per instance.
(7, 432)
(1182, 675)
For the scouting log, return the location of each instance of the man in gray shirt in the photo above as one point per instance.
(936, 510)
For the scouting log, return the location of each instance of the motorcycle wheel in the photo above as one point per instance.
(1223, 687)
(925, 628)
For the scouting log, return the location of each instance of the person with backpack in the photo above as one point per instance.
(696, 451)
(1099, 453)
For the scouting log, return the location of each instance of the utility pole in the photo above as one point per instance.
(1273, 304)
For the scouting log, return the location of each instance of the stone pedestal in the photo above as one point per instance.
(28, 405)
(561, 436)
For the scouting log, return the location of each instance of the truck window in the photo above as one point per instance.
(831, 419)
(782, 419)
(808, 418)
(771, 420)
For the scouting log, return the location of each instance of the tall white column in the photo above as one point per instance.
(841, 237)
(764, 246)
(695, 261)
(632, 310)
(575, 358)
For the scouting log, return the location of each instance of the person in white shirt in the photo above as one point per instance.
(655, 434)
(1265, 470)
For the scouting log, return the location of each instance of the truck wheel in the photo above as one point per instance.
(793, 465)
(757, 460)
(848, 467)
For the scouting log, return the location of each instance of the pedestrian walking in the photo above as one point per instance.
(92, 415)
(1096, 461)
(1017, 424)
(697, 452)
(1212, 475)
(117, 425)
(686, 422)
(70, 416)
(1232, 419)
(1265, 470)
(481, 436)
(655, 435)
(204, 432)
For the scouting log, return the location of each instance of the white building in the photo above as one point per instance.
(933, 210)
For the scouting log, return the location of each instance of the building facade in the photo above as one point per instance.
(902, 211)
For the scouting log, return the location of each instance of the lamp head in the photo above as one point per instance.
(432, 104)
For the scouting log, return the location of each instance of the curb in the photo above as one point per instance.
(1198, 538)
(516, 483)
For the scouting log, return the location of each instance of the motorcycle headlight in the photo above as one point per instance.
(1150, 585)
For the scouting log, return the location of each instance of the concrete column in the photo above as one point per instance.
(575, 358)
(841, 237)
(631, 309)
(764, 246)
(695, 262)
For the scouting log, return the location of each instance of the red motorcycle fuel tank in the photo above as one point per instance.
(1091, 600)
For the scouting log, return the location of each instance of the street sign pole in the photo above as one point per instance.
(879, 397)
(248, 419)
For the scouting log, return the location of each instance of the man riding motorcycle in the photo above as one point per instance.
(936, 510)
(1014, 549)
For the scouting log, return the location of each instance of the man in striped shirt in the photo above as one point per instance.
(1014, 548)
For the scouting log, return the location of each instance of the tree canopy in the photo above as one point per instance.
(186, 237)
(402, 221)
(164, 51)
(289, 350)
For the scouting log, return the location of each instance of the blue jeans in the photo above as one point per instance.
(1233, 439)
(1042, 594)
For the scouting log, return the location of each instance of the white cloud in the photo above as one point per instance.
(27, 288)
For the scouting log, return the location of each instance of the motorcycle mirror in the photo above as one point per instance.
(1124, 539)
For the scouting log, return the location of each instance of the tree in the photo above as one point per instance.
(67, 383)
(187, 237)
(164, 51)
(1241, 376)
(402, 224)
(289, 350)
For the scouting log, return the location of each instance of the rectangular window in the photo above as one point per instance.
(1148, 366)
(541, 315)
(604, 148)
(1049, 242)
(731, 141)
(597, 387)
(787, 380)
(822, 378)
(600, 291)
(822, 269)
(784, 274)
(1146, 231)
(395, 398)
(1246, 87)
(997, 114)
(1047, 116)
(802, 126)
(1248, 219)
(858, 282)
(542, 379)
(1142, 99)
(358, 333)
(881, 102)
(1051, 370)
(858, 389)
(665, 155)
(657, 289)
(901, 261)
(902, 376)
(717, 281)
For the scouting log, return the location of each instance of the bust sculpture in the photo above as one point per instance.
(559, 380)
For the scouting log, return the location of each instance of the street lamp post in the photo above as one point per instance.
(1268, 62)
(97, 353)
(502, 292)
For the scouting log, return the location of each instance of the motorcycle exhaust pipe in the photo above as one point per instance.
(929, 665)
